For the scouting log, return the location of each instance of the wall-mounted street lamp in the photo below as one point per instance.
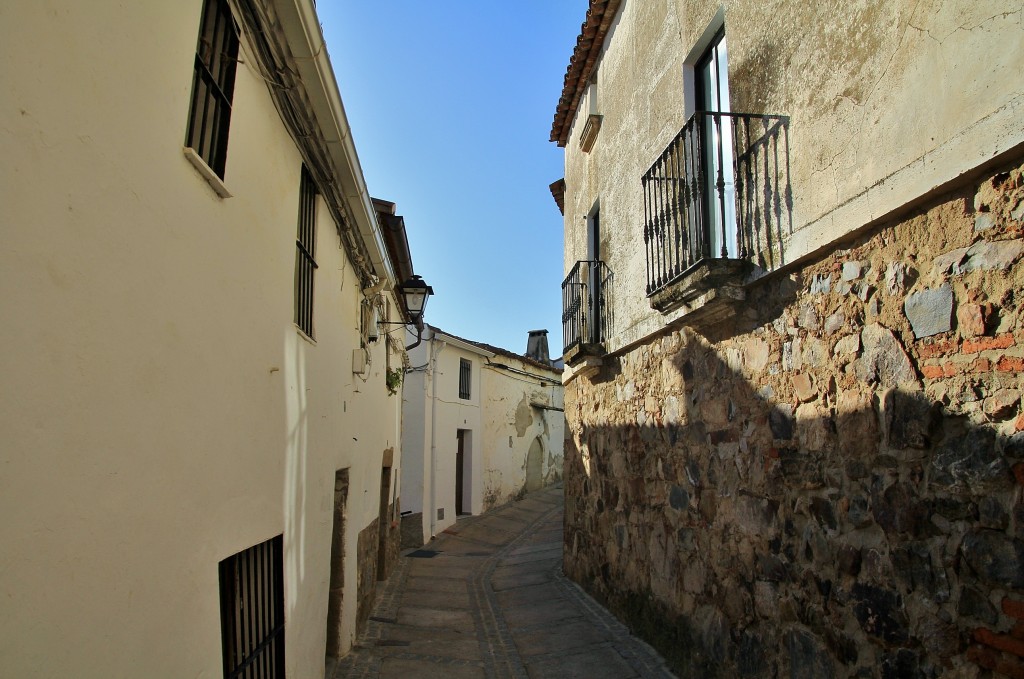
(415, 292)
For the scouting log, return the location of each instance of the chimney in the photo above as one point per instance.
(537, 346)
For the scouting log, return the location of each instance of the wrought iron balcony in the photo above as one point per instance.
(586, 308)
(714, 202)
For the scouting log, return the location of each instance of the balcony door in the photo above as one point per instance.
(593, 279)
(712, 89)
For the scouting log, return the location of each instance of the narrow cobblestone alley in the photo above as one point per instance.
(493, 603)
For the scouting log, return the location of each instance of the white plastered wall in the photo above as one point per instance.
(887, 102)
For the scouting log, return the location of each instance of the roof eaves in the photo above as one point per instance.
(490, 350)
(581, 65)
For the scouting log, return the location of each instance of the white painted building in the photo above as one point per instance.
(190, 266)
(482, 425)
(632, 129)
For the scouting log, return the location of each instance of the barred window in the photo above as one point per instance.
(252, 612)
(305, 252)
(465, 374)
(213, 85)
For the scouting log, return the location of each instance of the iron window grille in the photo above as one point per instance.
(213, 85)
(305, 251)
(252, 612)
(465, 374)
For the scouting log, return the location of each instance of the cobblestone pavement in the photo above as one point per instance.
(493, 603)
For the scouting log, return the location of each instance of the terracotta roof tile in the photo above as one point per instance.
(581, 65)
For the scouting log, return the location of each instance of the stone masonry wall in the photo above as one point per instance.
(831, 483)
(366, 560)
(367, 552)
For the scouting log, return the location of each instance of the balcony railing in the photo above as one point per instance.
(586, 307)
(720, 191)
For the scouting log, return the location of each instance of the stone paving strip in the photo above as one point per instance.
(493, 603)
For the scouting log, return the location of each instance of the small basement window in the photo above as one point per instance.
(252, 612)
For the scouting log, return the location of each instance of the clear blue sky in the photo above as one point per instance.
(450, 105)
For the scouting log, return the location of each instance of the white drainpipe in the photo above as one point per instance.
(433, 431)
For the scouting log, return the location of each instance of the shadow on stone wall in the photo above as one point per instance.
(831, 484)
(881, 536)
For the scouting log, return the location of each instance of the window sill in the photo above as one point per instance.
(588, 367)
(582, 352)
(302, 333)
(705, 276)
(215, 182)
(708, 293)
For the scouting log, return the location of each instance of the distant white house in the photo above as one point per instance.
(482, 425)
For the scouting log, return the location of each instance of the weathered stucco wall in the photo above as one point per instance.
(887, 100)
(160, 410)
(831, 484)
(522, 442)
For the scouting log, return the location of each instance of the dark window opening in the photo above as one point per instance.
(465, 373)
(305, 251)
(252, 612)
(213, 85)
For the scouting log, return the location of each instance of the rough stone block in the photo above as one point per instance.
(883, 359)
(970, 461)
(993, 255)
(823, 510)
(992, 514)
(808, 656)
(835, 322)
(974, 604)
(803, 385)
(847, 345)
(811, 352)
(903, 662)
(780, 420)
(997, 558)
(852, 270)
(930, 312)
(970, 320)
(815, 427)
(913, 420)
(899, 511)
(984, 221)
(821, 284)
(982, 256)
(1002, 404)
(898, 277)
(1017, 213)
(756, 353)
(848, 561)
(678, 498)
(807, 317)
(880, 613)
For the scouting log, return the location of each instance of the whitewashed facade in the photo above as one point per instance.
(162, 410)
